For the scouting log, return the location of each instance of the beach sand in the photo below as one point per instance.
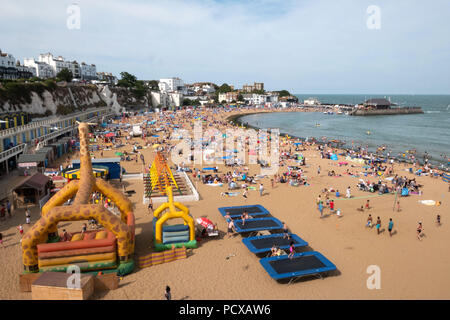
(410, 269)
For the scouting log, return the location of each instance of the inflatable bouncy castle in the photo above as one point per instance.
(109, 249)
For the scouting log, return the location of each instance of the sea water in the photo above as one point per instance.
(426, 133)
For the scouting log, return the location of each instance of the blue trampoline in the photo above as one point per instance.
(257, 224)
(260, 244)
(237, 211)
(302, 264)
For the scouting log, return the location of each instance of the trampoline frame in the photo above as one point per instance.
(329, 266)
(277, 227)
(299, 242)
(264, 211)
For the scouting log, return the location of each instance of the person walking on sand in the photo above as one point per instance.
(321, 209)
(150, 206)
(318, 170)
(390, 226)
(369, 221)
(438, 219)
(261, 189)
(349, 195)
(398, 206)
(245, 193)
(419, 230)
(8, 208)
(332, 205)
(167, 293)
(367, 204)
(20, 228)
(378, 226)
(27, 216)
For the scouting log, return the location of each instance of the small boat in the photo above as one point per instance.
(368, 133)
(339, 112)
(317, 124)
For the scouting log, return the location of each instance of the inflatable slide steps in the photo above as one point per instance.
(93, 250)
(155, 258)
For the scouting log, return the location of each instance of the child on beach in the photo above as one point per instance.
(231, 228)
(285, 231)
(367, 205)
(20, 228)
(167, 293)
(291, 250)
(244, 217)
(369, 221)
(349, 195)
(390, 226)
(419, 230)
(332, 205)
(361, 209)
(261, 189)
(378, 226)
(398, 206)
(337, 194)
(320, 209)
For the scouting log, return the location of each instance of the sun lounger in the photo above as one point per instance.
(257, 224)
(236, 212)
(264, 243)
(302, 264)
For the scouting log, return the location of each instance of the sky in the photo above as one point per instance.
(304, 46)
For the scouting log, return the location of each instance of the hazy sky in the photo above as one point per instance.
(304, 46)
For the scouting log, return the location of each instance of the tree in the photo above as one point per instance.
(283, 93)
(65, 75)
(240, 97)
(224, 88)
(153, 84)
(139, 89)
(128, 80)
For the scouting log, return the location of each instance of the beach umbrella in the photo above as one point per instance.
(205, 223)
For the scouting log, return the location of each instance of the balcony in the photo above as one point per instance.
(5, 155)
(47, 122)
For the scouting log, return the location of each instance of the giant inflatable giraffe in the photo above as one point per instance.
(45, 230)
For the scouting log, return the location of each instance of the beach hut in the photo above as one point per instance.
(33, 188)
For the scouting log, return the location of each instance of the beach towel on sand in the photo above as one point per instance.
(428, 202)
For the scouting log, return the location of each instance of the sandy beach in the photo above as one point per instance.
(410, 269)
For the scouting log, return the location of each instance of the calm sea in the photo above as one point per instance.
(428, 132)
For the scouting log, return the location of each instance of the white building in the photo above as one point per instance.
(166, 99)
(88, 71)
(11, 69)
(311, 102)
(172, 85)
(257, 99)
(57, 63)
(41, 69)
(7, 60)
(79, 71)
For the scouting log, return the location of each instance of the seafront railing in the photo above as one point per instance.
(46, 122)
